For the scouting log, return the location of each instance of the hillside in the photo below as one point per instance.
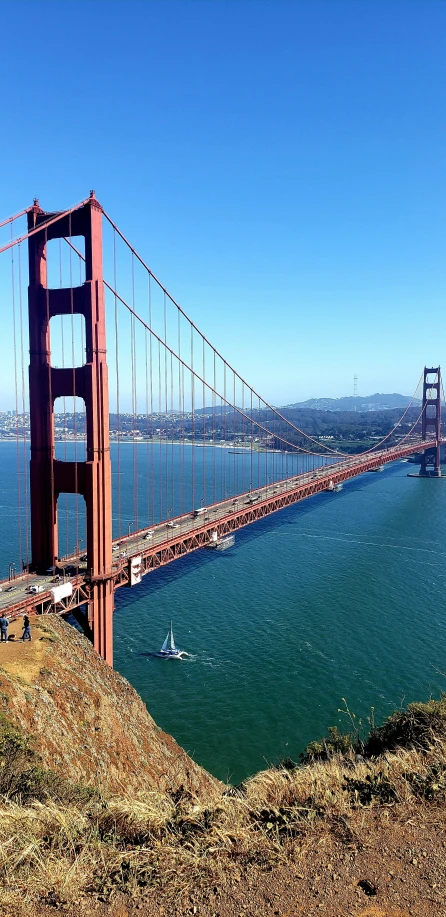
(376, 402)
(87, 721)
(101, 813)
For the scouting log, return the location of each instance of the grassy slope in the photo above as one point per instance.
(60, 842)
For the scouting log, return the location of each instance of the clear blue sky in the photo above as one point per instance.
(281, 166)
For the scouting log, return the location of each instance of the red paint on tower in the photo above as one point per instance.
(50, 477)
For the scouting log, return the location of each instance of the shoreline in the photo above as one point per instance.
(164, 442)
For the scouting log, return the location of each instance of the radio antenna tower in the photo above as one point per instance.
(355, 388)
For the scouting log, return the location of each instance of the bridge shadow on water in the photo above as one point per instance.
(162, 576)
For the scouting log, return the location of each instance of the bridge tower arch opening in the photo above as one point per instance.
(49, 476)
(431, 421)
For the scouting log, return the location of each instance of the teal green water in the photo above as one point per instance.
(340, 596)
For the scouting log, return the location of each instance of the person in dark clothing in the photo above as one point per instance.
(4, 624)
(26, 628)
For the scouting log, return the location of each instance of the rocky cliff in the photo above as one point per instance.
(86, 721)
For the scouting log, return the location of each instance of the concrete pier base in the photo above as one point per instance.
(434, 474)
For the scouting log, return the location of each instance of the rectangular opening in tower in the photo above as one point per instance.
(70, 429)
(65, 262)
(67, 341)
(71, 525)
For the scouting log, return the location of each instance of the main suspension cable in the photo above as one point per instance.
(43, 226)
(200, 379)
(328, 450)
(15, 217)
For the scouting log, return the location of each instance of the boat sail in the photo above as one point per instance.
(168, 649)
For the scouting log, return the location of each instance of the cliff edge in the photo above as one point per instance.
(85, 720)
(103, 814)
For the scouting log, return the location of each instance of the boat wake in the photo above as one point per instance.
(168, 649)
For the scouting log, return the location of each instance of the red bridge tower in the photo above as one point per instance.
(50, 477)
(431, 422)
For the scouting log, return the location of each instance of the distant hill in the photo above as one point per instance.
(376, 402)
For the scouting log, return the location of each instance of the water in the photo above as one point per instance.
(341, 596)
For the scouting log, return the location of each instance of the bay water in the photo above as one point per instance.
(340, 596)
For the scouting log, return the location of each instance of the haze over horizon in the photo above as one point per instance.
(381, 396)
(279, 165)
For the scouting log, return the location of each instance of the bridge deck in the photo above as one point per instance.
(187, 533)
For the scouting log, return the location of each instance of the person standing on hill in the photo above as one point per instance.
(26, 629)
(4, 624)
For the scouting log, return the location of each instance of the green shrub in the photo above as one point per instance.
(334, 743)
(415, 727)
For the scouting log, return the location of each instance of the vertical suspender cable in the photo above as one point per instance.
(64, 403)
(146, 431)
(73, 363)
(172, 470)
(16, 402)
(181, 415)
(214, 457)
(24, 415)
(261, 469)
(225, 432)
(185, 503)
(118, 405)
(160, 482)
(251, 457)
(50, 396)
(258, 452)
(134, 403)
(152, 449)
(234, 414)
(193, 413)
(166, 417)
(203, 422)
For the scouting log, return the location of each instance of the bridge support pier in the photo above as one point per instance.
(50, 477)
(431, 422)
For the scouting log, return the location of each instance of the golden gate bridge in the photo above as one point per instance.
(164, 384)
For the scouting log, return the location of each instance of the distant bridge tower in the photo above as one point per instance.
(50, 477)
(431, 421)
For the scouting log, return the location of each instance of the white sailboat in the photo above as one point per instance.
(168, 649)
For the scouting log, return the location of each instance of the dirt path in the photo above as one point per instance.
(378, 864)
(24, 659)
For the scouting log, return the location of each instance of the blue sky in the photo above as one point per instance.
(280, 165)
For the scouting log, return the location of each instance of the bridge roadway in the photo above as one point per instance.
(166, 541)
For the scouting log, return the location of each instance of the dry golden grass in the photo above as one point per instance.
(62, 851)
(133, 844)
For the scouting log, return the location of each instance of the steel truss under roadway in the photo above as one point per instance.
(245, 509)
